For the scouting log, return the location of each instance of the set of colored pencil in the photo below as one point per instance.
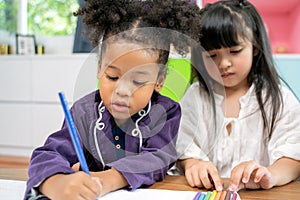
(215, 195)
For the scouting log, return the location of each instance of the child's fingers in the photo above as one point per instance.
(203, 174)
(218, 184)
(261, 172)
(248, 170)
(189, 179)
(236, 176)
(196, 179)
(93, 187)
(87, 193)
(192, 178)
(216, 179)
(204, 177)
(97, 180)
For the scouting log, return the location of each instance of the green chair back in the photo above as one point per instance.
(178, 78)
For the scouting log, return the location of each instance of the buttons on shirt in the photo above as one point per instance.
(119, 141)
(118, 146)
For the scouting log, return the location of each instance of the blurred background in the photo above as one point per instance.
(29, 82)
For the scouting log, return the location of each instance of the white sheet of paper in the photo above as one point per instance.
(12, 190)
(149, 194)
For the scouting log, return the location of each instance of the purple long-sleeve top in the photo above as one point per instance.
(147, 158)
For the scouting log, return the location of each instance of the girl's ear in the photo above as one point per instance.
(160, 83)
(99, 72)
(255, 51)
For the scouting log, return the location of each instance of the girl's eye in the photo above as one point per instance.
(236, 51)
(113, 78)
(207, 55)
(212, 55)
(139, 83)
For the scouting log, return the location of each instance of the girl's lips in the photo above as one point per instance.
(120, 107)
(225, 75)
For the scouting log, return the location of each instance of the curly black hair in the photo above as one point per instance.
(106, 18)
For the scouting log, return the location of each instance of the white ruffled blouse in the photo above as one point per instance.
(205, 137)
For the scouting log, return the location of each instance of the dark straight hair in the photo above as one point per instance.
(223, 24)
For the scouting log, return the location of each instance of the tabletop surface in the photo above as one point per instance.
(289, 191)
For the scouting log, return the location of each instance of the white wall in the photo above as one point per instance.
(29, 105)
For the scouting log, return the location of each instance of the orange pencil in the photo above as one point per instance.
(223, 195)
(218, 195)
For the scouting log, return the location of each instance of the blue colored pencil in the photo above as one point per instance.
(202, 196)
(73, 133)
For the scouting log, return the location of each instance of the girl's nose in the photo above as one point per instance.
(123, 89)
(224, 62)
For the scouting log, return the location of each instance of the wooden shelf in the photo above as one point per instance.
(14, 162)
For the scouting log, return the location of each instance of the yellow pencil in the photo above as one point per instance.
(218, 195)
(213, 195)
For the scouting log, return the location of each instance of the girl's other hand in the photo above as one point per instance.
(201, 173)
(250, 175)
(71, 186)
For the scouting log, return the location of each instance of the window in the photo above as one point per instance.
(56, 19)
(8, 15)
(51, 17)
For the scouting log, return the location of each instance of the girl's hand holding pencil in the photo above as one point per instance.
(78, 185)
